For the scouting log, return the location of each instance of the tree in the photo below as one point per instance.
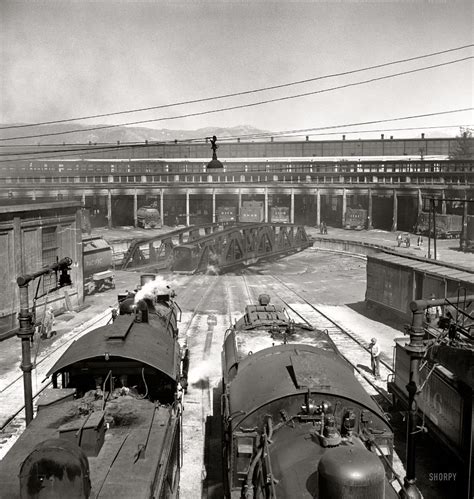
(463, 147)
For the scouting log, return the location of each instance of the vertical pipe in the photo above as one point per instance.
(395, 211)
(318, 208)
(78, 256)
(344, 206)
(25, 334)
(109, 209)
(443, 203)
(135, 209)
(429, 232)
(240, 204)
(434, 230)
(187, 207)
(292, 209)
(464, 236)
(369, 212)
(162, 207)
(266, 205)
(213, 206)
(416, 350)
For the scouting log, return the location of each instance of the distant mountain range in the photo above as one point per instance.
(54, 134)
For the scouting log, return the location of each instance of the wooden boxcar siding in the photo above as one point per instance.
(439, 400)
(389, 285)
(31, 260)
(8, 296)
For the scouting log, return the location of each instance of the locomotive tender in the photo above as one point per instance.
(296, 421)
(113, 427)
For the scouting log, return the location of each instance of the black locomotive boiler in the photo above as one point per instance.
(296, 422)
(111, 426)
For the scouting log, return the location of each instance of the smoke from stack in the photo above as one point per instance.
(153, 288)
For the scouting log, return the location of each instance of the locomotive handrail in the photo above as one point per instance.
(389, 464)
(109, 374)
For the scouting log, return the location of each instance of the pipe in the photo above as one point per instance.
(26, 330)
(63, 264)
(416, 349)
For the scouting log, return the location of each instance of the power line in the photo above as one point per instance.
(242, 106)
(246, 92)
(269, 134)
(110, 146)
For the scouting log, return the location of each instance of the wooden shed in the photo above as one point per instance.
(31, 237)
(394, 281)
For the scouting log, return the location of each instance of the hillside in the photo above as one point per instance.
(54, 134)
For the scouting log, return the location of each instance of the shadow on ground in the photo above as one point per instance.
(377, 315)
(212, 485)
(437, 473)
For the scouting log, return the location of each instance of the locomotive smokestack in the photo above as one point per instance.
(141, 312)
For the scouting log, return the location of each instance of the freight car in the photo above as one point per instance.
(226, 214)
(447, 226)
(445, 405)
(98, 264)
(469, 235)
(355, 219)
(111, 426)
(443, 383)
(280, 214)
(296, 421)
(252, 211)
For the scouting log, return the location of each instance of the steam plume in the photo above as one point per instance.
(153, 288)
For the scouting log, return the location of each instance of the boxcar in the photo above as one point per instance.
(280, 214)
(251, 211)
(355, 218)
(445, 404)
(97, 255)
(447, 226)
(469, 237)
(226, 214)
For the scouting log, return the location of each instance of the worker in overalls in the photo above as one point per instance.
(433, 313)
(375, 357)
(48, 324)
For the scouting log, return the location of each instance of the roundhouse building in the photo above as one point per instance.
(315, 181)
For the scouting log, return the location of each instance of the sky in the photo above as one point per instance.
(68, 59)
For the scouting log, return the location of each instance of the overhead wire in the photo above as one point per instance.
(241, 106)
(94, 150)
(113, 146)
(238, 94)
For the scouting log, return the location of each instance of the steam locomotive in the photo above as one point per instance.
(296, 422)
(111, 424)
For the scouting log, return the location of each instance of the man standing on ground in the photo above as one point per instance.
(375, 357)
